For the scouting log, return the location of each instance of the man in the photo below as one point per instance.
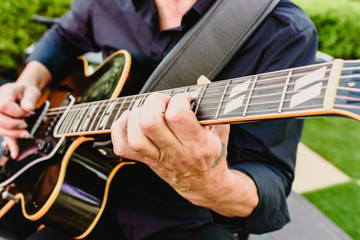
(191, 182)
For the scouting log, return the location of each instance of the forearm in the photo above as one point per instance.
(37, 74)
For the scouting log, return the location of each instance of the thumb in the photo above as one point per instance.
(30, 98)
(13, 147)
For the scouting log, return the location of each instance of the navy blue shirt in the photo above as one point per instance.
(265, 151)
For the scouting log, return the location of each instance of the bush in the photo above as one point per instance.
(18, 31)
(338, 24)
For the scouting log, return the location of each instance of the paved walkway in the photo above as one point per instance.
(313, 172)
(307, 222)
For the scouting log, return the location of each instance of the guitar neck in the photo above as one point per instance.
(296, 92)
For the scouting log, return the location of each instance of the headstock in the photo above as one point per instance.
(348, 91)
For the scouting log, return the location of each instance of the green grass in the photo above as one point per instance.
(341, 204)
(336, 139)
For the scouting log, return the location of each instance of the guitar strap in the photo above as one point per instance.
(210, 44)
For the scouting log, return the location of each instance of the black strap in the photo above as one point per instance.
(210, 44)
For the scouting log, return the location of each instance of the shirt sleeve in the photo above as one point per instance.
(66, 40)
(266, 151)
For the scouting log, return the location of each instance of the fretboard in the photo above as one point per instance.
(263, 96)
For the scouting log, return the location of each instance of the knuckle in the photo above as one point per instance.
(2, 106)
(117, 150)
(204, 154)
(135, 145)
(149, 124)
(175, 117)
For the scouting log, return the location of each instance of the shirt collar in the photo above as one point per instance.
(137, 4)
(147, 9)
(195, 13)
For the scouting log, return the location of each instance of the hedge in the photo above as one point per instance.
(338, 25)
(18, 31)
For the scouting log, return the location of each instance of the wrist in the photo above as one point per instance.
(35, 74)
(233, 194)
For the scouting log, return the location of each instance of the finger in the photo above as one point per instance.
(138, 141)
(13, 147)
(152, 121)
(119, 135)
(182, 120)
(11, 94)
(13, 109)
(14, 133)
(7, 122)
(30, 98)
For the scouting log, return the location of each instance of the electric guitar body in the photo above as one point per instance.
(65, 181)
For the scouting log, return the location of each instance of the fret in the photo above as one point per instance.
(267, 92)
(96, 118)
(86, 118)
(250, 95)
(114, 112)
(286, 86)
(195, 91)
(306, 87)
(65, 122)
(178, 90)
(137, 101)
(102, 113)
(76, 124)
(131, 103)
(222, 98)
(261, 112)
(91, 116)
(72, 116)
(169, 92)
(143, 99)
(104, 119)
(200, 98)
(127, 104)
(120, 111)
(236, 95)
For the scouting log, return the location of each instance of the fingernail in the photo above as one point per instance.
(23, 125)
(25, 135)
(28, 105)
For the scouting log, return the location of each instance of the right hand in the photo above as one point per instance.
(17, 101)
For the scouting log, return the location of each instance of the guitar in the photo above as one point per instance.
(67, 134)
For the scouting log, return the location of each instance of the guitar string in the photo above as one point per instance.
(269, 79)
(60, 109)
(229, 117)
(280, 87)
(214, 88)
(213, 84)
(287, 100)
(209, 102)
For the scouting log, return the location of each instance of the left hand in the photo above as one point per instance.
(165, 134)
